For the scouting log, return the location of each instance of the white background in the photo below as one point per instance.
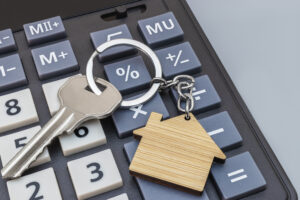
(258, 41)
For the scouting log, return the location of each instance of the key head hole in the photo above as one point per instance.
(100, 86)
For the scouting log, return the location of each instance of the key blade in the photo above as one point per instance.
(60, 122)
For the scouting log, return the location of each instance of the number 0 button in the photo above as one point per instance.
(17, 109)
(39, 185)
(94, 174)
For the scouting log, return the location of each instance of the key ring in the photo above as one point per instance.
(140, 46)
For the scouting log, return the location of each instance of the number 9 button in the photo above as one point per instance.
(17, 109)
(94, 174)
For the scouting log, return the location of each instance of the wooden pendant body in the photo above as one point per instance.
(176, 152)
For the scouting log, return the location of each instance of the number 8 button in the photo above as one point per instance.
(94, 174)
(17, 109)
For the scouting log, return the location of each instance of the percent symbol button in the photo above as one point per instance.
(128, 75)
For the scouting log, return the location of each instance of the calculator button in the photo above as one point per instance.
(51, 91)
(12, 143)
(88, 135)
(238, 177)
(154, 191)
(44, 30)
(17, 109)
(178, 59)
(11, 72)
(128, 75)
(127, 120)
(161, 29)
(222, 130)
(120, 197)
(94, 174)
(204, 93)
(7, 41)
(54, 60)
(40, 185)
(105, 35)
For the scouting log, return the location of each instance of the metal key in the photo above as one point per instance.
(77, 106)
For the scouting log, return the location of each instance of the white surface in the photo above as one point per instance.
(95, 136)
(120, 197)
(27, 114)
(19, 189)
(82, 175)
(50, 92)
(258, 41)
(9, 148)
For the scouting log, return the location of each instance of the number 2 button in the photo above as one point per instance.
(18, 110)
(94, 174)
(41, 185)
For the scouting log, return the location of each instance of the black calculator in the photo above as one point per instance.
(44, 43)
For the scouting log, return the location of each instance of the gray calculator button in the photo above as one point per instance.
(127, 120)
(222, 130)
(238, 177)
(105, 35)
(128, 75)
(55, 59)
(7, 41)
(204, 93)
(160, 29)
(44, 30)
(178, 59)
(154, 191)
(11, 72)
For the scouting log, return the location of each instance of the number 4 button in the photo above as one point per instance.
(17, 109)
(94, 174)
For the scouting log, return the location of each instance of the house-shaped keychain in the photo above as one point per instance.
(175, 152)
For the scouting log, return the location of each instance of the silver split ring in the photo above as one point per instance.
(140, 46)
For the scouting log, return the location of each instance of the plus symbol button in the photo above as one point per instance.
(63, 55)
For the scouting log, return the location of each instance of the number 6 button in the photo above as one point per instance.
(17, 109)
(94, 174)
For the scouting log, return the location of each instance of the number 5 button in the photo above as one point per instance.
(94, 174)
(17, 109)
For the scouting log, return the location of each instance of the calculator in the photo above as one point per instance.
(44, 43)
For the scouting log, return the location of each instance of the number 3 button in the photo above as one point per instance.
(94, 174)
(18, 110)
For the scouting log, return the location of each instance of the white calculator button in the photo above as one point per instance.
(94, 174)
(88, 135)
(50, 91)
(40, 185)
(120, 197)
(17, 109)
(12, 143)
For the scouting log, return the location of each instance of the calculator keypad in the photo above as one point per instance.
(44, 30)
(88, 135)
(11, 73)
(238, 177)
(136, 117)
(105, 35)
(128, 75)
(39, 185)
(204, 93)
(94, 174)
(54, 60)
(7, 41)
(178, 59)
(154, 191)
(17, 109)
(11, 144)
(161, 29)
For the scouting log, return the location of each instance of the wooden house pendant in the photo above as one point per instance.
(175, 152)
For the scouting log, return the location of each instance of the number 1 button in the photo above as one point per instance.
(95, 174)
(17, 109)
(39, 185)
